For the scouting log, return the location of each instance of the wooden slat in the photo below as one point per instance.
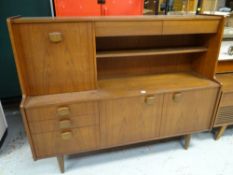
(146, 52)
(225, 115)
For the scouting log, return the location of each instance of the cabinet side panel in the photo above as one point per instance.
(207, 62)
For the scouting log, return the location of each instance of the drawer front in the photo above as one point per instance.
(227, 99)
(66, 123)
(190, 27)
(224, 116)
(129, 28)
(66, 142)
(60, 112)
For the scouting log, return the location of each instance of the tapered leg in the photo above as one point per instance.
(220, 132)
(60, 160)
(187, 139)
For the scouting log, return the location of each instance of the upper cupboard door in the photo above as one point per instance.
(129, 120)
(188, 111)
(56, 57)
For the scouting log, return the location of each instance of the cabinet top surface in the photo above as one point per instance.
(128, 87)
(112, 18)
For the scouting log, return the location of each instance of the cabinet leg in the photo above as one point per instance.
(187, 139)
(60, 160)
(220, 132)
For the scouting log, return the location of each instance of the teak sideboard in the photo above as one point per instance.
(99, 82)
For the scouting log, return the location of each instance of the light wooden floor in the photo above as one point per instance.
(204, 157)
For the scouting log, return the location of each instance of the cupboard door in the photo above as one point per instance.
(57, 57)
(130, 120)
(188, 111)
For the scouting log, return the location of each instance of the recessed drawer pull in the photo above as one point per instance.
(150, 100)
(177, 97)
(66, 135)
(55, 37)
(64, 124)
(63, 111)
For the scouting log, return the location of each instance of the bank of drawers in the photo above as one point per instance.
(64, 129)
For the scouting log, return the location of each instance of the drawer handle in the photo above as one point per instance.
(64, 124)
(66, 135)
(63, 111)
(177, 97)
(55, 37)
(150, 100)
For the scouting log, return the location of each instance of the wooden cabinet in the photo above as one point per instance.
(95, 83)
(122, 120)
(188, 111)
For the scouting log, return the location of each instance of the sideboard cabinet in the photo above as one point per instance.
(99, 82)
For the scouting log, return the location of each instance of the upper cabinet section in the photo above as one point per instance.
(59, 55)
(54, 57)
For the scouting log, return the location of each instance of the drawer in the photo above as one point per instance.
(61, 111)
(128, 28)
(66, 142)
(56, 125)
(227, 99)
(190, 27)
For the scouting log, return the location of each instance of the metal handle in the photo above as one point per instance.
(63, 111)
(66, 135)
(177, 97)
(64, 124)
(150, 100)
(55, 37)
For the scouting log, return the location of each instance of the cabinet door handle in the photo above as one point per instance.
(64, 124)
(63, 111)
(55, 37)
(177, 97)
(150, 100)
(66, 135)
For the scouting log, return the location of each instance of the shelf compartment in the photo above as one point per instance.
(150, 52)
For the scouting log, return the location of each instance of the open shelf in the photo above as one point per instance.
(150, 52)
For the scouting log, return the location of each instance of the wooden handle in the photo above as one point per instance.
(64, 124)
(55, 37)
(177, 97)
(63, 111)
(66, 135)
(150, 100)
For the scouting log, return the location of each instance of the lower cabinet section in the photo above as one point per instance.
(188, 111)
(66, 142)
(128, 120)
(121, 121)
